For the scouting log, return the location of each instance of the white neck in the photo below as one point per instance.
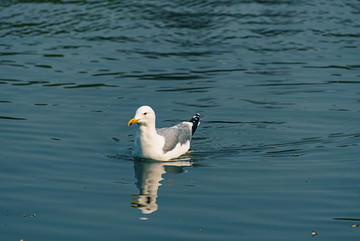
(147, 130)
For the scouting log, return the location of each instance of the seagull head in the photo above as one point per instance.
(144, 115)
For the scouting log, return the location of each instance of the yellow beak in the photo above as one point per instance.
(133, 121)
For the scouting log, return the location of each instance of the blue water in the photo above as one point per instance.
(276, 156)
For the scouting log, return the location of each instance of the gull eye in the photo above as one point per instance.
(145, 113)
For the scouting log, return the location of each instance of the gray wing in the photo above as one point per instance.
(178, 134)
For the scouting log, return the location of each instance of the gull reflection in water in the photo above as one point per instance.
(148, 175)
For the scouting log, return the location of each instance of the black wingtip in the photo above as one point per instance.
(196, 122)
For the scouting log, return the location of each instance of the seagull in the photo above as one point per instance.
(161, 144)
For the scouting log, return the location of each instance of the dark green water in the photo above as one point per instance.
(276, 156)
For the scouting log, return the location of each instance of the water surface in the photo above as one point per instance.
(276, 156)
